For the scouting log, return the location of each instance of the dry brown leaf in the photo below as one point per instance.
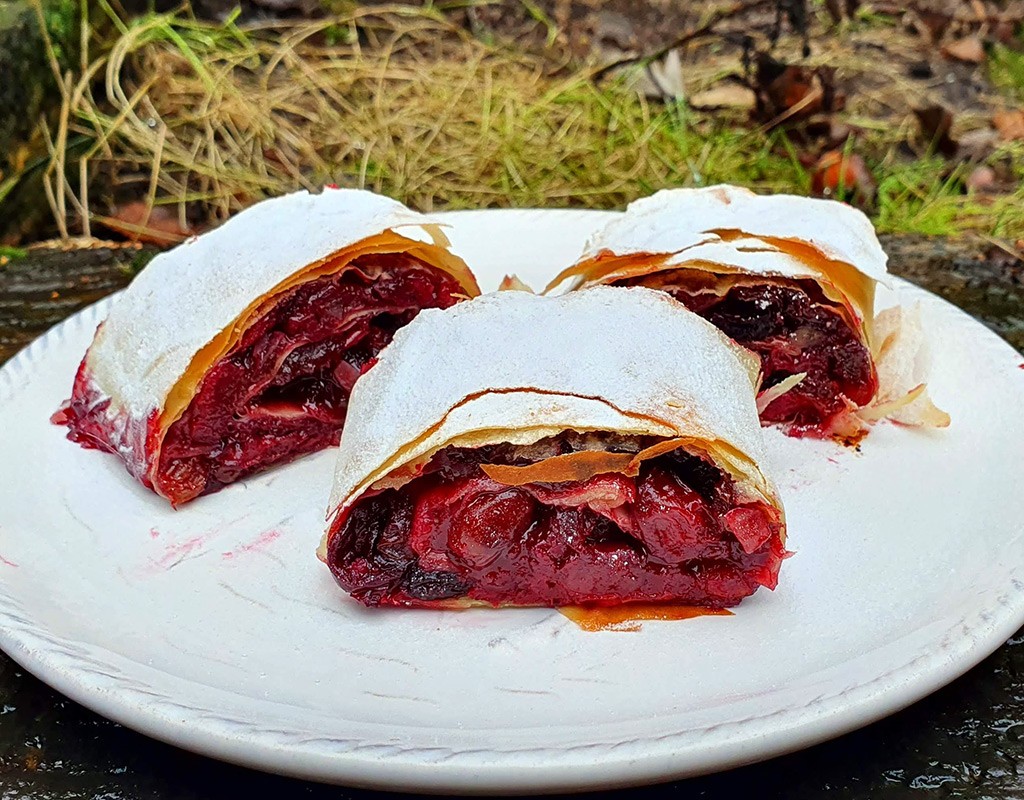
(1009, 124)
(728, 95)
(970, 50)
(843, 175)
(159, 225)
(981, 179)
(936, 123)
(790, 93)
(977, 145)
(931, 24)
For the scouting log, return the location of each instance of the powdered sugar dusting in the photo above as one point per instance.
(674, 220)
(630, 360)
(187, 295)
(747, 255)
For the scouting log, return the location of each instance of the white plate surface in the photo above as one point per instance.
(215, 627)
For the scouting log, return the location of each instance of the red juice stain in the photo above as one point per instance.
(261, 541)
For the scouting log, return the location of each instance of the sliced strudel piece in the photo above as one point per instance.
(598, 448)
(237, 350)
(791, 278)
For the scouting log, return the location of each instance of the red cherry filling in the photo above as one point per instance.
(283, 389)
(793, 329)
(674, 533)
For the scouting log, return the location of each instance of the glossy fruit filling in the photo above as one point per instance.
(794, 329)
(283, 389)
(453, 536)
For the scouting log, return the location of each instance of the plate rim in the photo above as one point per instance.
(55, 661)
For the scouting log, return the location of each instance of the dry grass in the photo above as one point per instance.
(208, 119)
(213, 118)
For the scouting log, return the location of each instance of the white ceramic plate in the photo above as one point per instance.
(215, 627)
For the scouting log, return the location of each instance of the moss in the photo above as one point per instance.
(62, 18)
(27, 78)
(12, 253)
(28, 87)
(1006, 71)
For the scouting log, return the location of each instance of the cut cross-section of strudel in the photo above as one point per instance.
(791, 278)
(238, 349)
(598, 448)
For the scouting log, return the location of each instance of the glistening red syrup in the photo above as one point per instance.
(283, 389)
(675, 533)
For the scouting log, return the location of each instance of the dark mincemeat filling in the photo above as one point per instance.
(671, 534)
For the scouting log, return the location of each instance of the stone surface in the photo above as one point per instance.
(965, 741)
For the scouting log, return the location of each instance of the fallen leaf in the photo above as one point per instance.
(843, 176)
(981, 179)
(970, 50)
(1009, 124)
(789, 93)
(932, 24)
(727, 95)
(935, 123)
(159, 225)
(977, 145)
(666, 76)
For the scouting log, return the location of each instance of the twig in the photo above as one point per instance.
(687, 37)
(793, 110)
(1005, 246)
(154, 175)
(538, 14)
(83, 190)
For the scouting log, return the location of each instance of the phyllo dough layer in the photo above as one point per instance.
(601, 447)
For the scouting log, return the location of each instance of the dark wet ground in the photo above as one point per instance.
(965, 741)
